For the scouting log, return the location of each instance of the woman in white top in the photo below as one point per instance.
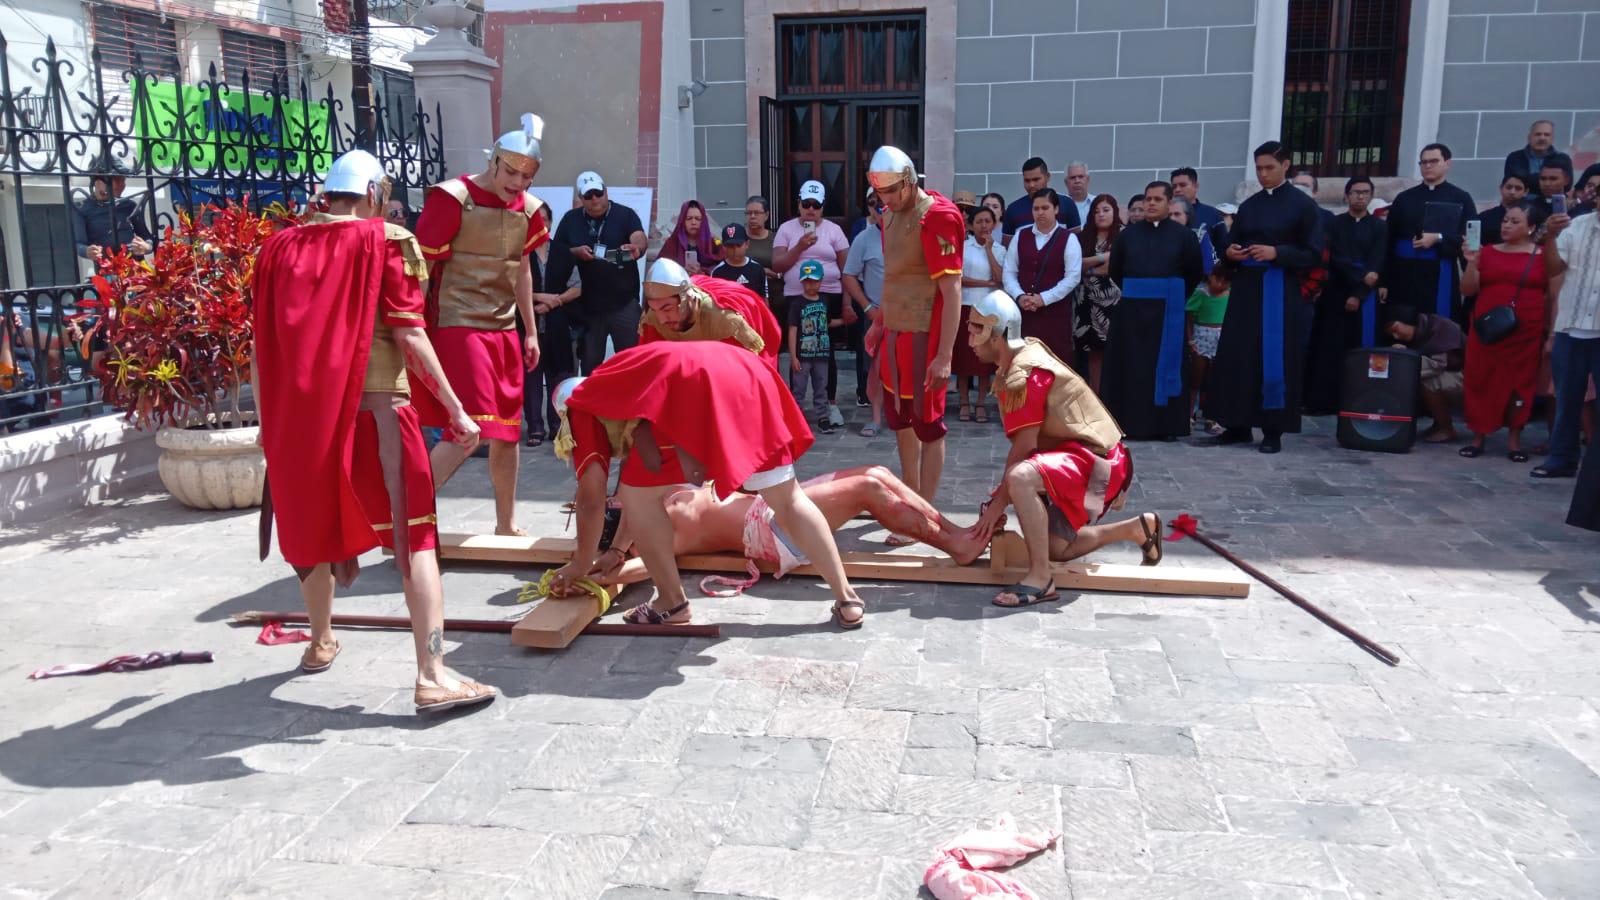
(980, 274)
(1043, 267)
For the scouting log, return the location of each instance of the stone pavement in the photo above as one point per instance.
(1193, 748)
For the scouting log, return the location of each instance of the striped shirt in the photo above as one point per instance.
(1578, 308)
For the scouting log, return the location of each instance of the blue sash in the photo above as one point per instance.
(1273, 387)
(1404, 250)
(1169, 364)
(1208, 253)
(1369, 311)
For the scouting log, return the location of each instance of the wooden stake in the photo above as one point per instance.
(491, 626)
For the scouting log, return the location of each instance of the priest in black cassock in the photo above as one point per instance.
(1347, 312)
(1255, 378)
(1425, 246)
(1156, 263)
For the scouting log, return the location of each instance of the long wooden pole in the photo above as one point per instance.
(1360, 640)
(492, 626)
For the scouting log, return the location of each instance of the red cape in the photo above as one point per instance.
(315, 298)
(736, 298)
(724, 405)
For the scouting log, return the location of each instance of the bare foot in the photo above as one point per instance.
(513, 531)
(899, 540)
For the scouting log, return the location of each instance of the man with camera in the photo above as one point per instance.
(604, 241)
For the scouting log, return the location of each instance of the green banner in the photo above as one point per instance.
(236, 124)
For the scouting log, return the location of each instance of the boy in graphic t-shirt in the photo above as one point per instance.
(810, 350)
(735, 265)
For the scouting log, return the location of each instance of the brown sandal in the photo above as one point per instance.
(645, 614)
(840, 606)
(1152, 540)
(438, 699)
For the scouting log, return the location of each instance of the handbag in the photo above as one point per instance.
(1494, 325)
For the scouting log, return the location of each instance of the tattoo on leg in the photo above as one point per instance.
(436, 642)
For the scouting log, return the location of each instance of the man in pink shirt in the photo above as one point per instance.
(811, 237)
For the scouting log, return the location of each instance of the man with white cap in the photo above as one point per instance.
(681, 307)
(1066, 466)
(923, 236)
(809, 236)
(476, 232)
(349, 470)
(604, 240)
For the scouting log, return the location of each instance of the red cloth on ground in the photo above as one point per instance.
(484, 369)
(723, 405)
(154, 660)
(273, 633)
(422, 530)
(316, 293)
(1080, 483)
(735, 297)
(1497, 374)
(441, 219)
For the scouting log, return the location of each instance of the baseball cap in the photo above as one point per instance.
(1377, 204)
(811, 270)
(1227, 209)
(813, 190)
(590, 181)
(734, 234)
(965, 198)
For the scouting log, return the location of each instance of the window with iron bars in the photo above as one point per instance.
(120, 33)
(1343, 86)
(264, 59)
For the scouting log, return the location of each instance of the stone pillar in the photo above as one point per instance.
(453, 76)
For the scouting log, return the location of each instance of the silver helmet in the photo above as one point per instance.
(889, 166)
(998, 311)
(519, 150)
(563, 393)
(665, 279)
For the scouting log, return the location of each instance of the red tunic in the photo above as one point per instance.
(313, 336)
(1499, 379)
(903, 367)
(593, 447)
(484, 367)
(441, 219)
(1081, 484)
(723, 405)
(741, 301)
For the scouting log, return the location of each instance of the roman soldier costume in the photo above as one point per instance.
(715, 310)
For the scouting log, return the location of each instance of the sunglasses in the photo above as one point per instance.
(590, 195)
(810, 204)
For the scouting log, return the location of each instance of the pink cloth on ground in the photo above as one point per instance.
(958, 873)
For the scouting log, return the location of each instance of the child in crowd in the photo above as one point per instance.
(736, 265)
(810, 350)
(1206, 308)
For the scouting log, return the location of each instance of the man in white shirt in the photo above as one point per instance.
(1575, 340)
(862, 278)
(1078, 190)
(1043, 265)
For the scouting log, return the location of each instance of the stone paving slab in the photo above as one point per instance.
(1184, 747)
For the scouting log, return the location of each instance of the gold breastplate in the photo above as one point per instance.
(477, 285)
(908, 291)
(1072, 411)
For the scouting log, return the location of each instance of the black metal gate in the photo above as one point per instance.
(183, 147)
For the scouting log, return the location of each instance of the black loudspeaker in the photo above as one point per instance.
(1378, 399)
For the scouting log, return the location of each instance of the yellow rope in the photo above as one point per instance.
(532, 591)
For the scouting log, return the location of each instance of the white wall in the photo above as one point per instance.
(675, 172)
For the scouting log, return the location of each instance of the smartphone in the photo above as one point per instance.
(691, 257)
(1474, 235)
(809, 227)
(1558, 205)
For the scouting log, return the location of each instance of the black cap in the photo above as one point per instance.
(734, 234)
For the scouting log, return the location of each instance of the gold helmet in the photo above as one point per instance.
(519, 150)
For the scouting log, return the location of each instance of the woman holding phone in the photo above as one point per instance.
(691, 243)
(1500, 377)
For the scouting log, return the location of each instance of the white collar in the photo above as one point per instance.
(1045, 234)
(1269, 190)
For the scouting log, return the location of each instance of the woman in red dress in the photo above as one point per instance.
(1500, 378)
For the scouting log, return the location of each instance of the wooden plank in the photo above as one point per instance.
(1096, 577)
(555, 622)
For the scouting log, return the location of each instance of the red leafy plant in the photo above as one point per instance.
(178, 323)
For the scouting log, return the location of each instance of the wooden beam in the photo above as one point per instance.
(1076, 576)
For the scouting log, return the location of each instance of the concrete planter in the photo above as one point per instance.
(206, 468)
